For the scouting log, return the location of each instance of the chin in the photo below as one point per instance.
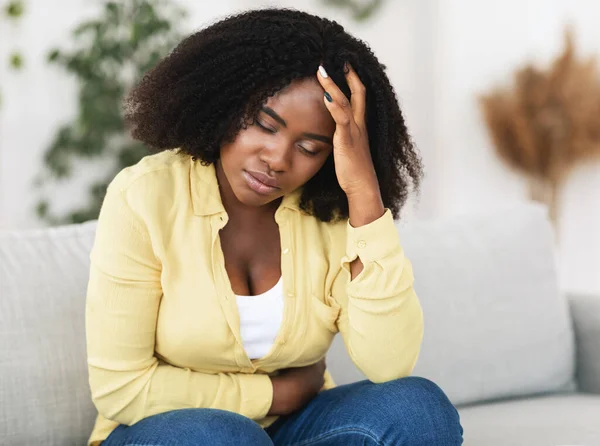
(250, 198)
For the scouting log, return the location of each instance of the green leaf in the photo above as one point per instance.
(131, 154)
(14, 9)
(57, 158)
(53, 55)
(81, 216)
(106, 55)
(94, 27)
(361, 14)
(360, 10)
(16, 61)
(113, 11)
(42, 209)
(98, 191)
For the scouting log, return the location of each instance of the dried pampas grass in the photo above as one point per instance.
(547, 121)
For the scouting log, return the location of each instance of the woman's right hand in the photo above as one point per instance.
(294, 388)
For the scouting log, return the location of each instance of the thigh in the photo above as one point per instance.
(407, 411)
(190, 427)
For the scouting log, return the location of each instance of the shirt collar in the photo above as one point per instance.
(206, 197)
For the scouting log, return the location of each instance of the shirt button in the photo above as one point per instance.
(290, 294)
(286, 250)
(361, 244)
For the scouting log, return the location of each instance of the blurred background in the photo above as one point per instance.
(502, 99)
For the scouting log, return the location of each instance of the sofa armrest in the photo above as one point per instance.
(586, 318)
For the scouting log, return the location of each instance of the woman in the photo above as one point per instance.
(224, 264)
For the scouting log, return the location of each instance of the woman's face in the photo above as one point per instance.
(288, 144)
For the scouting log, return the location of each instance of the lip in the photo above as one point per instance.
(260, 183)
(264, 178)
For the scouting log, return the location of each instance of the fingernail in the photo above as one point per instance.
(323, 72)
(328, 97)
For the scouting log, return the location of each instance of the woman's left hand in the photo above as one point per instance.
(352, 158)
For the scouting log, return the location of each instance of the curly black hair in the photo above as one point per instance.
(215, 81)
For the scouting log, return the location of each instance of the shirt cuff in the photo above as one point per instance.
(374, 240)
(258, 396)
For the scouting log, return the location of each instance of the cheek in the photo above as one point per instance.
(234, 152)
(244, 141)
(248, 139)
(309, 168)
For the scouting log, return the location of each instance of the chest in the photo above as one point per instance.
(252, 257)
(198, 324)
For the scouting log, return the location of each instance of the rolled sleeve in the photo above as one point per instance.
(258, 396)
(372, 241)
(380, 319)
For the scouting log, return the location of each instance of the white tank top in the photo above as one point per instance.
(260, 320)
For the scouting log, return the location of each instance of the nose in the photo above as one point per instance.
(277, 156)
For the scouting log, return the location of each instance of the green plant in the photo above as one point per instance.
(16, 61)
(13, 10)
(111, 54)
(360, 10)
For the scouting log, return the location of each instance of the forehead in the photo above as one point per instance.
(302, 102)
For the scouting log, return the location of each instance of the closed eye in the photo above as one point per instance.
(271, 130)
(308, 152)
(264, 127)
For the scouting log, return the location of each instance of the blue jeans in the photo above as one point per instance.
(408, 411)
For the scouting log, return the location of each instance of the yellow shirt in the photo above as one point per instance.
(161, 318)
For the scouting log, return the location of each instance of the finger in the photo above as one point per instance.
(340, 115)
(358, 98)
(330, 87)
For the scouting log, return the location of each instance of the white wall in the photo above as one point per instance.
(37, 99)
(440, 55)
(34, 100)
(400, 34)
(479, 44)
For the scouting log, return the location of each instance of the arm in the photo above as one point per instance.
(128, 383)
(586, 316)
(381, 320)
(294, 388)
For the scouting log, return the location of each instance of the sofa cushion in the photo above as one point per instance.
(43, 370)
(556, 420)
(496, 325)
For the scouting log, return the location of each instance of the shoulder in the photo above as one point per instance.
(158, 170)
(155, 184)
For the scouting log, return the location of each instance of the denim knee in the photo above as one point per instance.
(425, 406)
(191, 427)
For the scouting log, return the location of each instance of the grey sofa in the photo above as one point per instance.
(519, 359)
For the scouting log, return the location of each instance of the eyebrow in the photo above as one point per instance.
(273, 114)
(322, 138)
(269, 111)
